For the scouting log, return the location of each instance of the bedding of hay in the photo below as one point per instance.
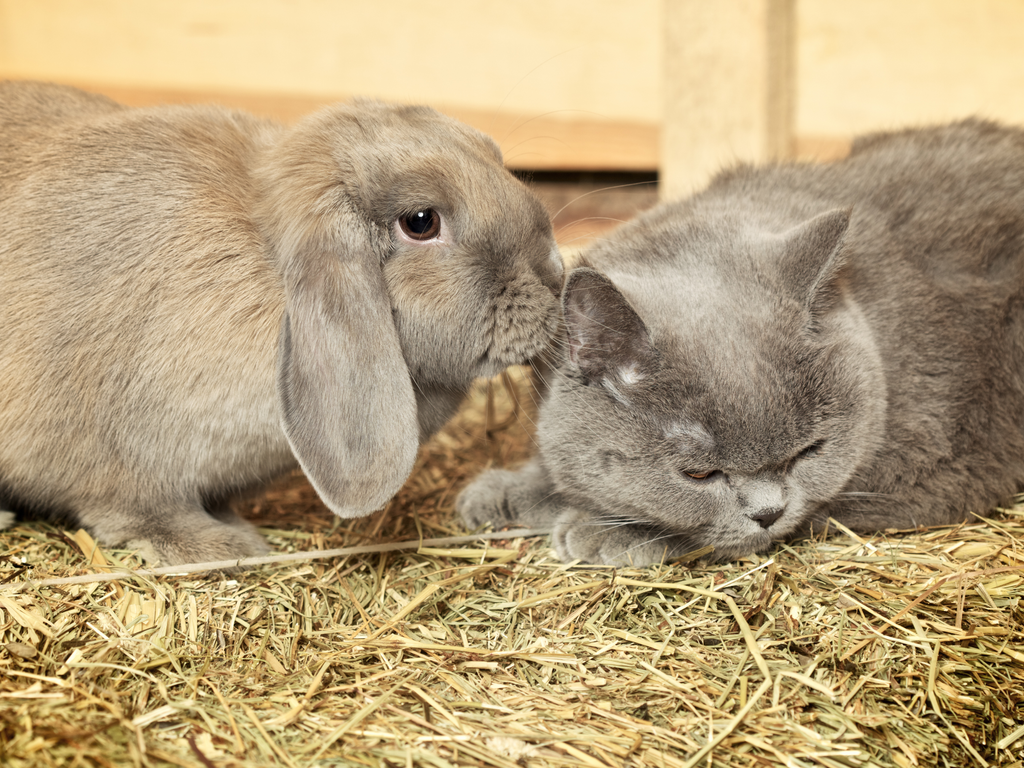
(901, 650)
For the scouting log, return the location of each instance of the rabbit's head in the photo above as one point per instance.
(412, 263)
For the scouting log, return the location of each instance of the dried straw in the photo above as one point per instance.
(893, 650)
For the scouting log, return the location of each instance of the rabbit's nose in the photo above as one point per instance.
(556, 262)
(552, 271)
(766, 517)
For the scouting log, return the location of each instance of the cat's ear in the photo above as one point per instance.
(608, 341)
(813, 256)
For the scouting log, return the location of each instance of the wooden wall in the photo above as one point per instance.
(583, 84)
(561, 83)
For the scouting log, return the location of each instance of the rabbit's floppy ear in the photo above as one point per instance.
(346, 396)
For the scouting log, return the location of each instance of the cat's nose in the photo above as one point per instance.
(766, 517)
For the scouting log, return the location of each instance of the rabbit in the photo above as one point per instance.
(793, 344)
(194, 300)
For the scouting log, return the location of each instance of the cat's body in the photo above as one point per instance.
(808, 341)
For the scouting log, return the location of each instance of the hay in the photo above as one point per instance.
(898, 650)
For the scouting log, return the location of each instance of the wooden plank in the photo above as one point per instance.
(528, 142)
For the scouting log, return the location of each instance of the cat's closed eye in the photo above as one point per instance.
(805, 453)
(811, 450)
(703, 476)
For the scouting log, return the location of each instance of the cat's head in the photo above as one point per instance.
(723, 400)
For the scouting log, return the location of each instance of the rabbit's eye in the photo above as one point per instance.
(422, 225)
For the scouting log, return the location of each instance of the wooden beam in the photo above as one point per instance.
(537, 143)
(529, 142)
(729, 87)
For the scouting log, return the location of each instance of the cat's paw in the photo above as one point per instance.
(485, 500)
(580, 536)
(499, 498)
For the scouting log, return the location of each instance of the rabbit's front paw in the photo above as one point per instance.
(182, 535)
(214, 543)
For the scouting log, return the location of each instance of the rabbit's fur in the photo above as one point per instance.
(192, 299)
(794, 343)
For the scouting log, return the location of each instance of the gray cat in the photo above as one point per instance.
(794, 343)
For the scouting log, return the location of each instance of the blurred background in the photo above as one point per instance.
(581, 94)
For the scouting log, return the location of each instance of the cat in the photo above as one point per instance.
(796, 342)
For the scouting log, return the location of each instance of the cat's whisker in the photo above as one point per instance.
(602, 189)
(681, 546)
(539, 503)
(562, 228)
(609, 523)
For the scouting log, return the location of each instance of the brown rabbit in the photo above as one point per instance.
(193, 299)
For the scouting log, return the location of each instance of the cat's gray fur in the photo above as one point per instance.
(841, 340)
